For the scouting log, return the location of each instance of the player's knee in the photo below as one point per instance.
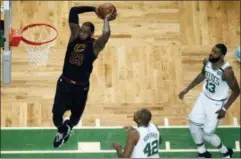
(57, 120)
(194, 128)
(208, 132)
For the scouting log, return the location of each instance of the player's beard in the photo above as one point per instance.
(214, 60)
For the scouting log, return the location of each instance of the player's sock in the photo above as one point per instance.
(214, 140)
(201, 148)
(223, 149)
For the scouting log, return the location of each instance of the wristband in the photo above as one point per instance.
(224, 109)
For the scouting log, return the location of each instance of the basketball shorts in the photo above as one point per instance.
(204, 113)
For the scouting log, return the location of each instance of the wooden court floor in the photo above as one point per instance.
(155, 50)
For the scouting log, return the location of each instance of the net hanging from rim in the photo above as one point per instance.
(38, 40)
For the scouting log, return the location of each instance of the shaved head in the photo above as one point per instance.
(142, 117)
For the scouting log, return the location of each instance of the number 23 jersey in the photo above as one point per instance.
(148, 144)
(214, 86)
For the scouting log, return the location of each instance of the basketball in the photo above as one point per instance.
(105, 9)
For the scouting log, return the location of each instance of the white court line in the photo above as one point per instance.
(168, 147)
(97, 122)
(101, 151)
(166, 122)
(105, 127)
(237, 145)
(235, 121)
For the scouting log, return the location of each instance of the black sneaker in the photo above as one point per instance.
(59, 139)
(204, 155)
(67, 135)
(229, 154)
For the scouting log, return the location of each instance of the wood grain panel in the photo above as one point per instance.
(155, 50)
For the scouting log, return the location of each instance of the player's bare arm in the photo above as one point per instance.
(129, 128)
(74, 19)
(233, 84)
(131, 141)
(106, 32)
(200, 77)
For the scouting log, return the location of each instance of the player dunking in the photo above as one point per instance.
(142, 142)
(73, 84)
(213, 102)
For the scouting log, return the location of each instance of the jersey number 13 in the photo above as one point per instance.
(210, 86)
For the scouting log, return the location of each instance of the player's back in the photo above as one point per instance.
(148, 144)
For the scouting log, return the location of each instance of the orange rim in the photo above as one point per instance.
(18, 33)
(38, 43)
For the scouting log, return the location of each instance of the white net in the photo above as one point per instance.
(38, 54)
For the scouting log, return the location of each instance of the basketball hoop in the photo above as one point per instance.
(38, 39)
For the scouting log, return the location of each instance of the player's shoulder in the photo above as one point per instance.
(133, 133)
(228, 71)
(226, 67)
(133, 130)
(205, 61)
(226, 64)
(154, 126)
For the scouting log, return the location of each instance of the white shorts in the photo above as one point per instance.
(204, 113)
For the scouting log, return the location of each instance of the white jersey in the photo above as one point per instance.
(214, 86)
(148, 144)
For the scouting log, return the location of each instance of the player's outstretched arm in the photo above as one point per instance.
(200, 77)
(131, 141)
(103, 39)
(74, 19)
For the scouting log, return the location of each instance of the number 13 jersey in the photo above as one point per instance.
(148, 144)
(214, 86)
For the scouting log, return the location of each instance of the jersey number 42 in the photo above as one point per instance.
(151, 148)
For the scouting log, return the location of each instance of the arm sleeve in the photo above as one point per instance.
(74, 11)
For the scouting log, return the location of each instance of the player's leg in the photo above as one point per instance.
(79, 101)
(80, 95)
(210, 126)
(196, 121)
(61, 101)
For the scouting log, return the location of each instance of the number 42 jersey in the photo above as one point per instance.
(214, 86)
(148, 144)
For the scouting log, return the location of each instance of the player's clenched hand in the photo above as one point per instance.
(111, 16)
(221, 113)
(182, 93)
(116, 146)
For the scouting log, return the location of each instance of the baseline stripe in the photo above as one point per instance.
(101, 151)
